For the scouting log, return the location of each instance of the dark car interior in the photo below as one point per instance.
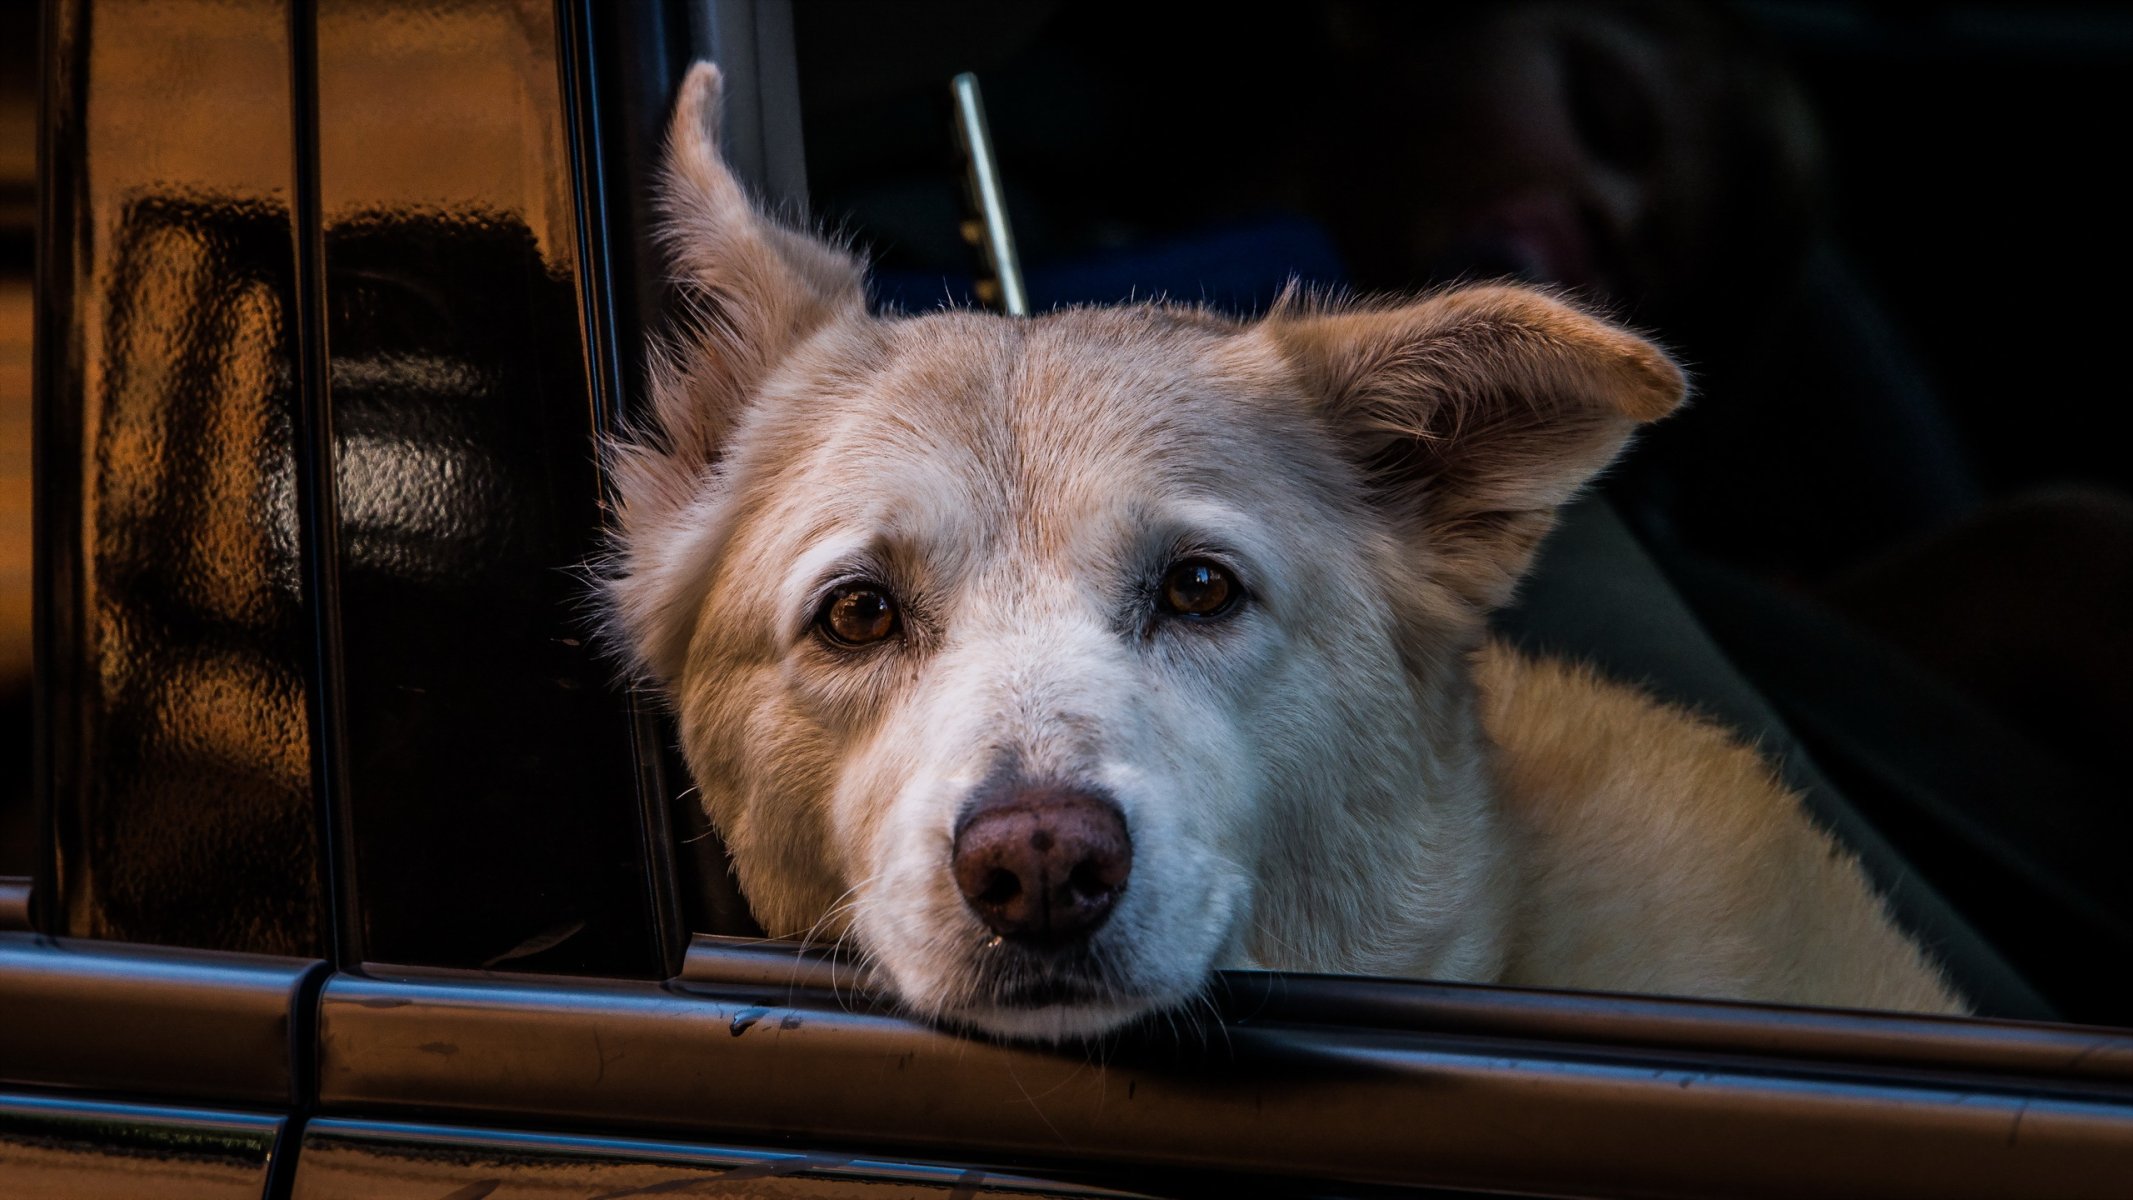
(329, 825)
(1892, 509)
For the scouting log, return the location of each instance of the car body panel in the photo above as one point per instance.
(64, 1149)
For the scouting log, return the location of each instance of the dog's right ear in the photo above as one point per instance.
(749, 292)
(750, 289)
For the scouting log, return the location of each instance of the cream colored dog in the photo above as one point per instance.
(1056, 662)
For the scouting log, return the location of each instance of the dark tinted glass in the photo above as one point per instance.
(18, 218)
(491, 784)
(181, 753)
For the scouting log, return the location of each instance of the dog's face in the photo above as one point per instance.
(1056, 661)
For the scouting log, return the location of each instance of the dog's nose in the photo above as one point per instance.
(1043, 866)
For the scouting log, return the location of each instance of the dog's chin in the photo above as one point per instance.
(1071, 1021)
(1037, 998)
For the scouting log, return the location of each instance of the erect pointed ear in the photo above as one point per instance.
(750, 288)
(1477, 413)
(750, 291)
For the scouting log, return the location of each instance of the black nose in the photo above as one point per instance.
(1042, 865)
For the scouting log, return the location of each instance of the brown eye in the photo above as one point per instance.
(858, 614)
(1198, 588)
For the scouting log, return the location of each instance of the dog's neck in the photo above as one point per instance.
(1414, 882)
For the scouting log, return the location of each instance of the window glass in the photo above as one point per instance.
(180, 648)
(18, 208)
(488, 752)
(324, 497)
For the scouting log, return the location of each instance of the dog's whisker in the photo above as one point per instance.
(848, 902)
(1291, 955)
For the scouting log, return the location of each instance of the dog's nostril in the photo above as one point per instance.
(1042, 865)
(1000, 887)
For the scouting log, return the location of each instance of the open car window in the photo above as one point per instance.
(1836, 550)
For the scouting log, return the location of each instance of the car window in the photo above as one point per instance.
(18, 206)
(1916, 570)
(179, 761)
(488, 761)
(323, 680)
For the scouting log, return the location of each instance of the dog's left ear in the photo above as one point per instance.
(1477, 413)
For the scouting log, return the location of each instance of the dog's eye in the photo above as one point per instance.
(1199, 588)
(857, 614)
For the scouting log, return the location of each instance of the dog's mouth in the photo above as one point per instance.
(1009, 976)
(1052, 996)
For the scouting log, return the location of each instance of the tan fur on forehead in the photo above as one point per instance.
(1040, 402)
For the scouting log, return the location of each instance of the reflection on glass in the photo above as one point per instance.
(490, 781)
(188, 809)
(18, 154)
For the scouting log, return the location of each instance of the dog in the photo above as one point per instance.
(1055, 662)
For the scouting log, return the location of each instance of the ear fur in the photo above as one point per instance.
(749, 288)
(749, 291)
(1477, 413)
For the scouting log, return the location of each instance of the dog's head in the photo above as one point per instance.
(1056, 661)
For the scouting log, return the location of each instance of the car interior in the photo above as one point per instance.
(1886, 540)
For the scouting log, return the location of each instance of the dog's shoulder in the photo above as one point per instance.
(1662, 854)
